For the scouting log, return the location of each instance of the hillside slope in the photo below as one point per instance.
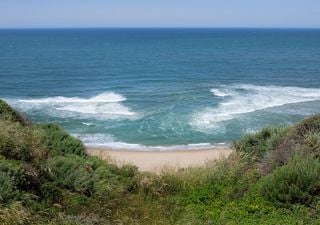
(273, 177)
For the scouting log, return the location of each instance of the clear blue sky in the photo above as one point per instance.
(160, 13)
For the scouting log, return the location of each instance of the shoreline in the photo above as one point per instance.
(154, 161)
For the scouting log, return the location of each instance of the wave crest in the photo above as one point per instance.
(100, 140)
(106, 97)
(220, 93)
(107, 105)
(249, 98)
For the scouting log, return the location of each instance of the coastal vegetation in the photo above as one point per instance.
(46, 177)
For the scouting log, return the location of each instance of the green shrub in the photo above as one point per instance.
(12, 178)
(260, 143)
(86, 175)
(280, 155)
(309, 125)
(57, 183)
(274, 147)
(60, 142)
(312, 143)
(8, 190)
(14, 214)
(296, 182)
(303, 137)
(72, 172)
(160, 185)
(126, 174)
(9, 114)
(14, 141)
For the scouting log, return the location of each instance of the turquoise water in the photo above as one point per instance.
(166, 88)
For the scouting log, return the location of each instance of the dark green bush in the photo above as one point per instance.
(8, 189)
(9, 114)
(87, 175)
(108, 170)
(60, 142)
(72, 172)
(12, 178)
(296, 182)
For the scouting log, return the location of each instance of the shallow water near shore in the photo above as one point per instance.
(161, 89)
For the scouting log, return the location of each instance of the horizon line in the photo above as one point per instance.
(150, 27)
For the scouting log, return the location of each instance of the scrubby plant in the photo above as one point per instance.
(55, 182)
(12, 180)
(8, 190)
(261, 142)
(309, 125)
(72, 172)
(89, 176)
(59, 142)
(14, 141)
(302, 138)
(14, 214)
(312, 143)
(296, 182)
(9, 114)
(20, 142)
(164, 184)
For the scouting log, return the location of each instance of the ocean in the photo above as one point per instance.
(161, 89)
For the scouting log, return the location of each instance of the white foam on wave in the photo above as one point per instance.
(92, 139)
(107, 105)
(87, 124)
(104, 109)
(249, 98)
(140, 147)
(106, 97)
(99, 140)
(219, 92)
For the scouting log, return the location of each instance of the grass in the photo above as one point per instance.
(46, 178)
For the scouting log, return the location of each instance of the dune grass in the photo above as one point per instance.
(272, 177)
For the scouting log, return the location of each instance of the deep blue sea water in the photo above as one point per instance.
(161, 87)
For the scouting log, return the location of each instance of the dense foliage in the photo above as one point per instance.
(60, 142)
(273, 177)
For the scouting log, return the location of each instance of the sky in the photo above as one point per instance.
(160, 13)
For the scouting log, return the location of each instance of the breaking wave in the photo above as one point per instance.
(219, 92)
(244, 99)
(109, 142)
(107, 105)
(106, 97)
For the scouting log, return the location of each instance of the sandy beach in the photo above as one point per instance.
(153, 161)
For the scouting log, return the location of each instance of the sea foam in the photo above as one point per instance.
(100, 140)
(106, 97)
(107, 105)
(246, 98)
(219, 92)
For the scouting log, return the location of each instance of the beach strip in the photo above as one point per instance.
(153, 161)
